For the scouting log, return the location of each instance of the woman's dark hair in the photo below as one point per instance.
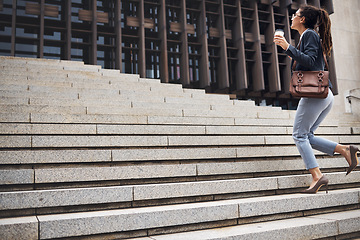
(318, 17)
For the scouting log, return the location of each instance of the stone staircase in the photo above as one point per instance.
(90, 153)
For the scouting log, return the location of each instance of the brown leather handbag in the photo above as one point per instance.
(310, 84)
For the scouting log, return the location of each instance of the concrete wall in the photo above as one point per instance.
(346, 41)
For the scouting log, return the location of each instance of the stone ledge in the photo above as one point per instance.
(97, 141)
(172, 154)
(101, 195)
(64, 197)
(146, 119)
(77, 224)
(295, 228)
(175, 190)
(170, 99)
(22, 94)
(13, 100)
(54, 156)
(15, 141)
(159, 129)
(27, 128)
(88, 118)
(138, 104)
(149, 129)
(43, 109)
(318, 226)
(16, 176)
(19, 228)
(15, 117)
(82, 102)
(135, 111)
(51, 175)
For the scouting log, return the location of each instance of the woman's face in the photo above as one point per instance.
(297, 20)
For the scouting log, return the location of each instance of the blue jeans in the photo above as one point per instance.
(309, 114)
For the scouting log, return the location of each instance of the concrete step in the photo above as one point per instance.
(35, 63)
(60, 75)
(225, 121)
(82, 110)
(154, 141)
(214, 154)
(107, 170)
(159, 154)
(87, 98)
(105, 102)
(116, 221)
(46, 86)
(15, 101)
(131, 118)
(127, 101)
(343, 224)
(115, 102)
(36, 199)
(27, 94)
(118, 129)
(43, 109)
(92, 129)
(170, 99)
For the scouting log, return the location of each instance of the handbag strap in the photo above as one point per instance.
(294, 64)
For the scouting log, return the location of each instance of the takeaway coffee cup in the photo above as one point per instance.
(279, 32)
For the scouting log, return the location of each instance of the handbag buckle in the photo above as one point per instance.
(320, 76)
(300, 76)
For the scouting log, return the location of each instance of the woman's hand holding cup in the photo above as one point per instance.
(280, 40)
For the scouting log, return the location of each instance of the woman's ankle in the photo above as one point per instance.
(342, 149)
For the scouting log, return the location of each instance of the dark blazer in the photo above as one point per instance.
(310, 56)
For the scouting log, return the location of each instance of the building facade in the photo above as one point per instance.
(223, 46)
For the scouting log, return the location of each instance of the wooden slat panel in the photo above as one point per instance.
(86, 15)
(214, 32)
(249, 37)
(149, 23)
(32, 8)
(49, 10)
(103, 17)
(228, 34)
(134, 22)
(1, 5)
(190, 28)
(175, 27)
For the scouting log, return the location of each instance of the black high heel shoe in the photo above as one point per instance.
(354, 159)
(323, 181)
